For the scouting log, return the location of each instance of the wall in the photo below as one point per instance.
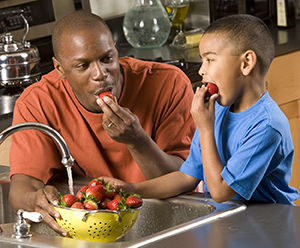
(109, 8)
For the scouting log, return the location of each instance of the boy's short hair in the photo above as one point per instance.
(246, 32)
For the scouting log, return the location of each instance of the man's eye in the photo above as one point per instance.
(81, 66)
(108, 59)
(209, 60)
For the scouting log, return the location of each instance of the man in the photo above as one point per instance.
(145, 133)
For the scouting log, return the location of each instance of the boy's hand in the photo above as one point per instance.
(203, 113)
(118, 184)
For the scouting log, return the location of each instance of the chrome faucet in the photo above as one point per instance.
(67, 159)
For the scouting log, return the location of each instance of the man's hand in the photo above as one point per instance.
(120, 123)
(31, 195)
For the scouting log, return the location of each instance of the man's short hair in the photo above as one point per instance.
(72, 23)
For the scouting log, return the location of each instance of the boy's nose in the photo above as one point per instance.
(201, 72)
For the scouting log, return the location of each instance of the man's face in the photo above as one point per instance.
(221, 67)
(88, 59)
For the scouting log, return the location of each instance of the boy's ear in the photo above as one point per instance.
(249, 60)
(58, 68)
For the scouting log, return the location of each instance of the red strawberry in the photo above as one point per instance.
(106, 93)
(77, 205)
(94, 182)
(79, 194)
(134, 201)
(212, 89)
(90, 205)
(103, 203)
(113, 205)
(110, 191)
(96, 191)
(68, 200)
(118, 198)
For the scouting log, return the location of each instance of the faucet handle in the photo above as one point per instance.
(33, 216)
(22, 228)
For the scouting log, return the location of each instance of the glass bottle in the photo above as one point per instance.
(146, 24)
(177, 11)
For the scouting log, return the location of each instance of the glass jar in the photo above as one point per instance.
(146, 24)
(177, 11)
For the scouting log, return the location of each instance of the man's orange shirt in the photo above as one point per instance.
(160, 95)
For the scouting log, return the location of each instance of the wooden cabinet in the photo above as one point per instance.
(283, 83)
(4, 152)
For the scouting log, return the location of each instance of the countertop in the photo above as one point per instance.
(260, 225)
(287, 40)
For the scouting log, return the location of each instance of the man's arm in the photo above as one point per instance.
(126, 129)
(30, 194)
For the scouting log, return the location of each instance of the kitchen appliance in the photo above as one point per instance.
(19, 60)
(203, 12)
(41, 15)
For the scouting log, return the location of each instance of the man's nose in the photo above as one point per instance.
(98, 72)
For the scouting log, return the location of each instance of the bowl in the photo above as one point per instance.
(96, 225)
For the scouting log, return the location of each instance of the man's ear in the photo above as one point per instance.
(58, 68)
(249, 61)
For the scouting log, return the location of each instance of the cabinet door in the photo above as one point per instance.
(291, 110)
(283, 83)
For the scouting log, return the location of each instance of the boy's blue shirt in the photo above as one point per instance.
(257, 150)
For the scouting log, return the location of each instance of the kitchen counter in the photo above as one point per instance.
(287, 40)
(260, 225)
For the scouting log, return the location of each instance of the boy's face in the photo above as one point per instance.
(221, 67)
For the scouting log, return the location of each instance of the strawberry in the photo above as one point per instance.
(81, 192)
(68, 200)
(77, 205)
(113, 205)
(118, 198)
(134, 201)
(106, 93)
(94, 182)
(90, 205)
(110, 191)
(103, 203)
(97, 192)
(212, 89)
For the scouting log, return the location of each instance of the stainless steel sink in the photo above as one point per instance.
(158, 219)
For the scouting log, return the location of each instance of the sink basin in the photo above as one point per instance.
(158, 219)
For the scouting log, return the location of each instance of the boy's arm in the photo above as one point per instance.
(165, 186)
(204, 118)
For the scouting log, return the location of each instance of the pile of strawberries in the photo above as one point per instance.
(100, 195)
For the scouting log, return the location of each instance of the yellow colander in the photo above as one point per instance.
(96, 225)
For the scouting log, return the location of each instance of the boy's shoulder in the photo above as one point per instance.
(264, 112)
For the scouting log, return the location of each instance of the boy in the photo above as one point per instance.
(242, 148)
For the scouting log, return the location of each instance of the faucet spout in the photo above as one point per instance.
(67, 159)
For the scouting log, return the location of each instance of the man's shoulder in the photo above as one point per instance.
(47, 82)
(48, 87)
